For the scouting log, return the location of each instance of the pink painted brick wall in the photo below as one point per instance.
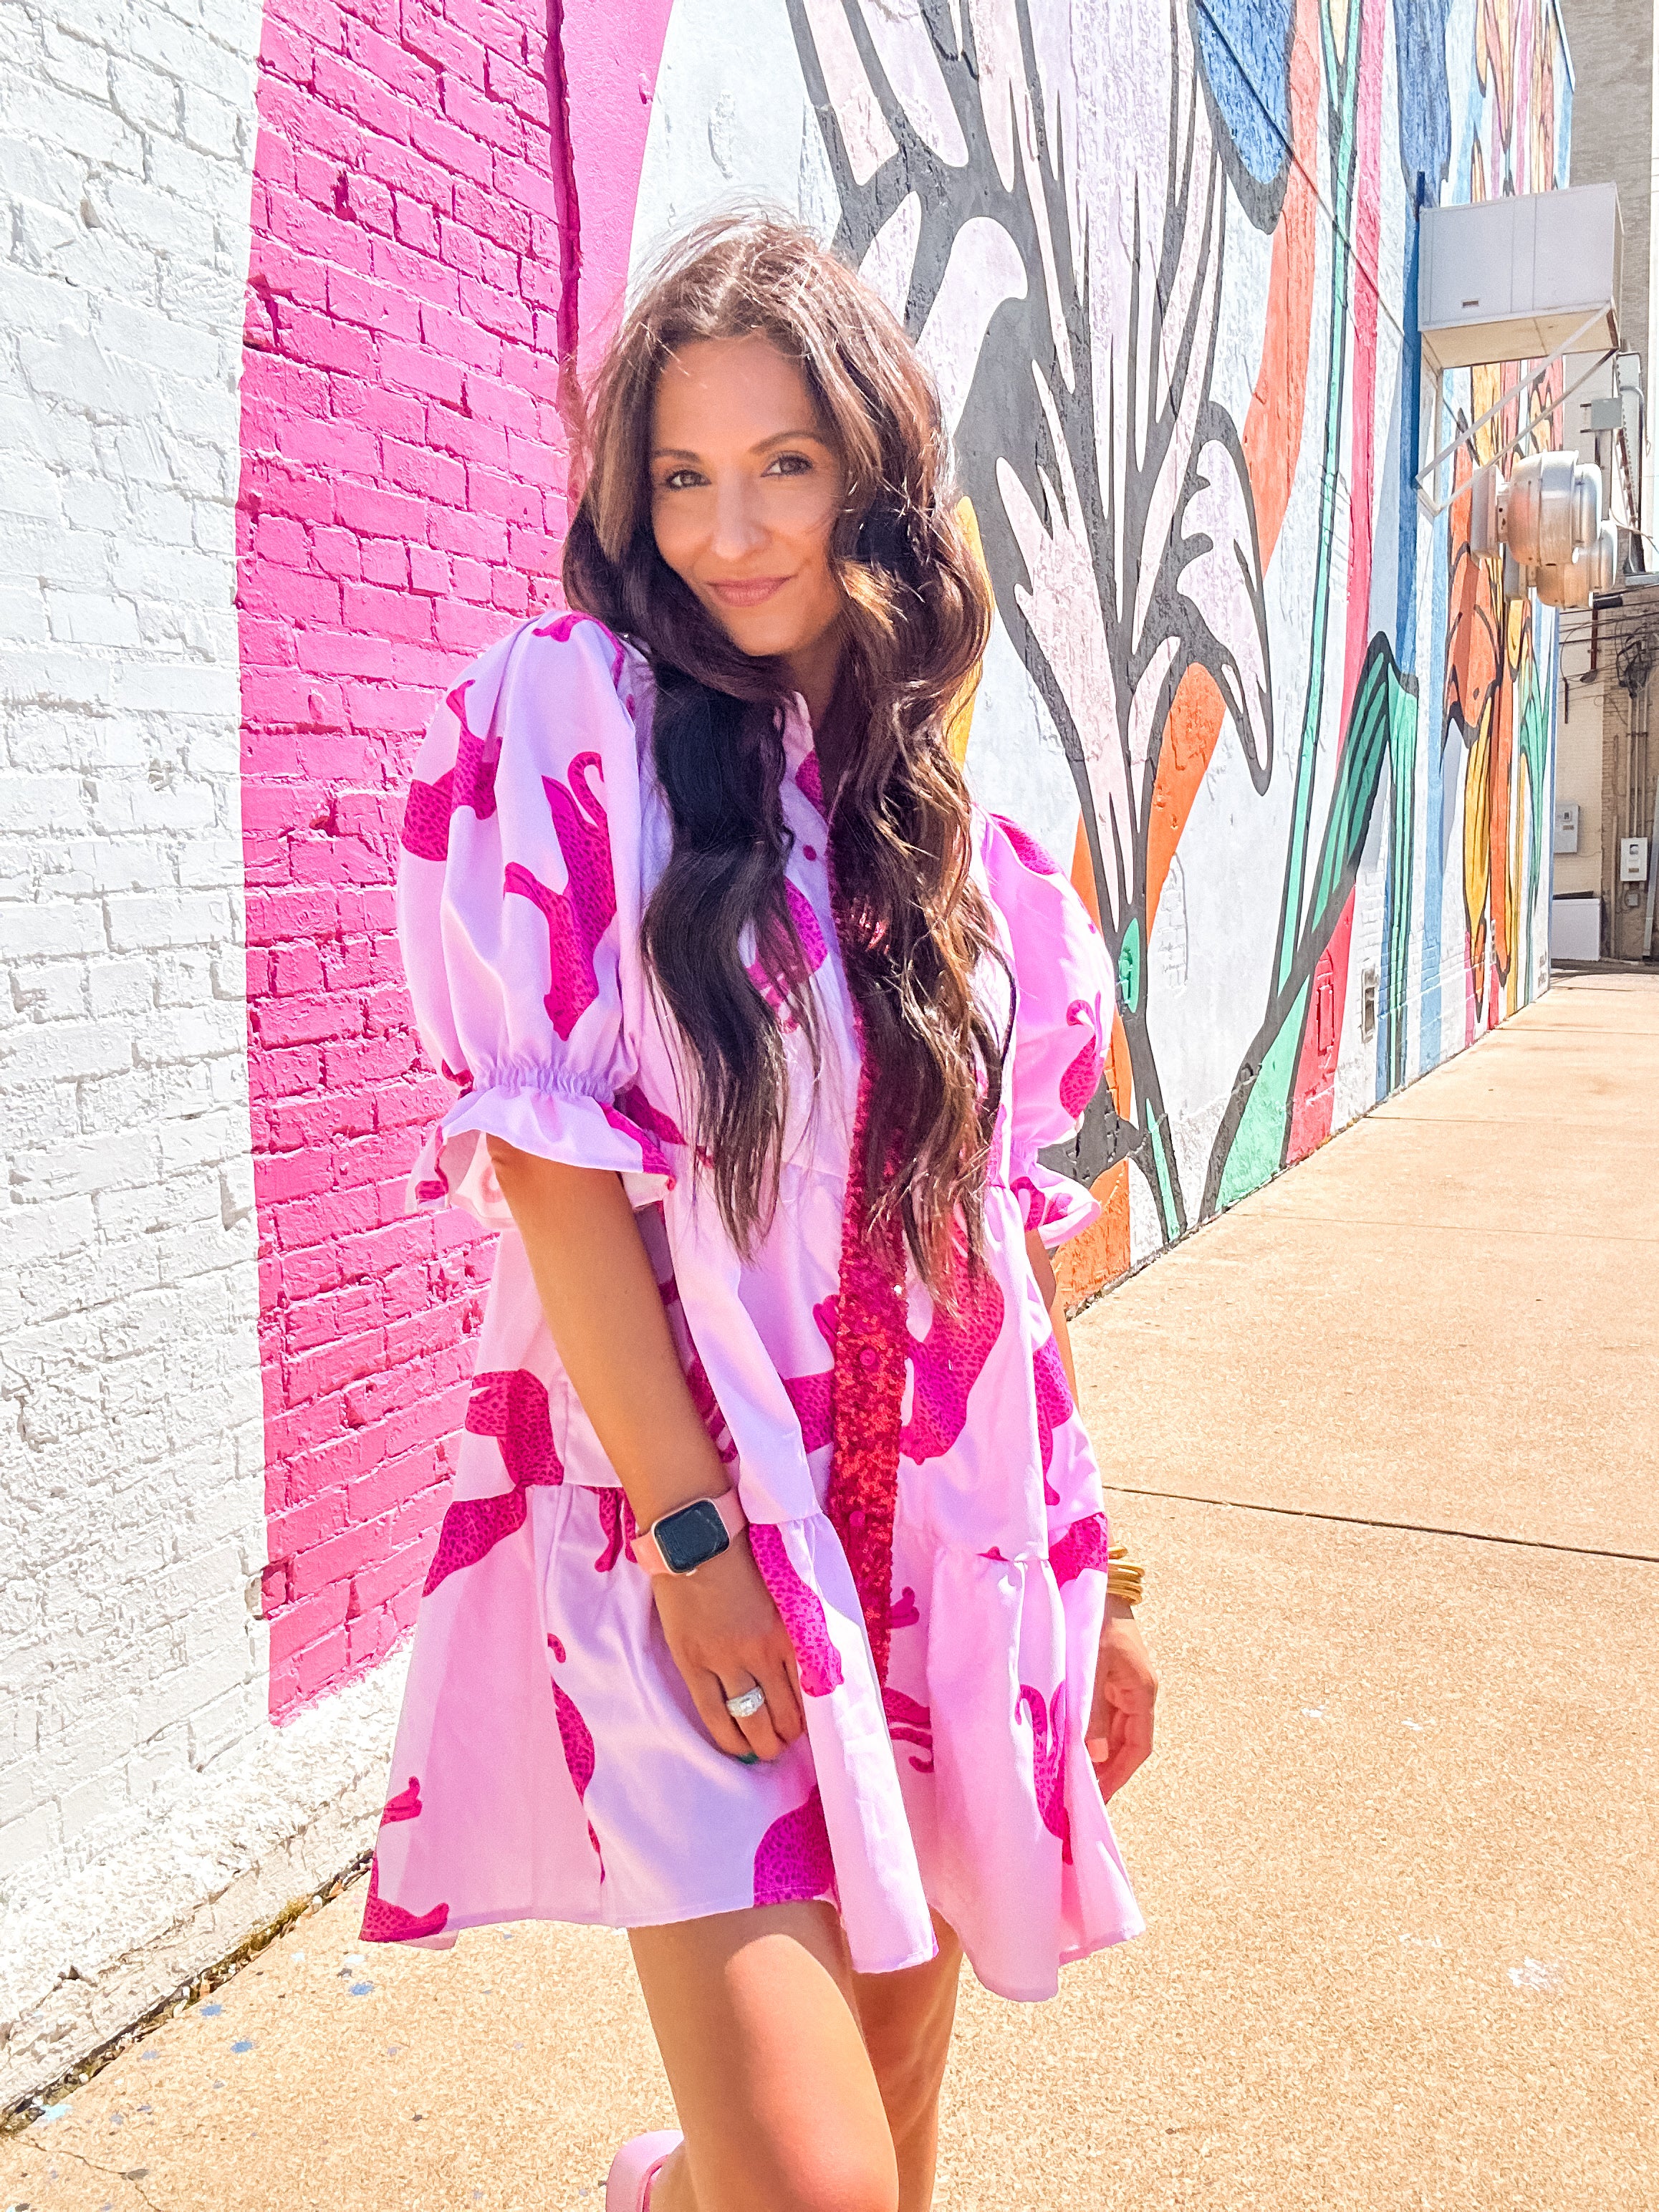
(419, 262)
(403, 501)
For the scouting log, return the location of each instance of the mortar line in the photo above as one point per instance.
(1406, 1528)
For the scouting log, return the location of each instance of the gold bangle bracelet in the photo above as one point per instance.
(1124, 1579)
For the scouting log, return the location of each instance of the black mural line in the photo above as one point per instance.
(1032, 408)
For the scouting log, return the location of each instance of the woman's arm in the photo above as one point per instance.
(1119, 1737)
(605, 1313)
(1043, 1268)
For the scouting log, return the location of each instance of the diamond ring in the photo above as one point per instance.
(747, 1702)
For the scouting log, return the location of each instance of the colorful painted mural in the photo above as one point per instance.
(1295, 744)
(1161, 257)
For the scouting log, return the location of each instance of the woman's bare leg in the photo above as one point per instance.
(801, 2086)
(906, 2020)
(754, 2016)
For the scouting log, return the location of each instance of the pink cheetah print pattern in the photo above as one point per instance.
(910, 1721)
(617, 1519)
(1079, 1085)
(406, 1805)
(948, 1361)
(1082, 1547)
(775, 970)
(509, 1404)
(471, 782)
(905, 1612)
(793, 1862)
(563, 627)
(802, 1611)
(1048, 1760)
(577, 1738)
(1027, 850)
(384, 1923)
(813, 1396)
(1053, 1407)
(578, 916)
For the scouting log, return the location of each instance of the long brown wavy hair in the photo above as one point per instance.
(913, 925)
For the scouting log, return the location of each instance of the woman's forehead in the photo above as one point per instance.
(730, 384)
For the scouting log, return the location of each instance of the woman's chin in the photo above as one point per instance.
(761, 640)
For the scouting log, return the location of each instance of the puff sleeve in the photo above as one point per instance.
(518, 912)
(1062, 1023)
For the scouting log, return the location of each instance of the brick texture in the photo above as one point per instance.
(402, 502)
(130, 1452)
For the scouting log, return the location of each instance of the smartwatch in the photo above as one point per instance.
(681, 1541)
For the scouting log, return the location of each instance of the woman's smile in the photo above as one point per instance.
(746, 591)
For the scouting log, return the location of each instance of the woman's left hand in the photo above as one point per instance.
(1119, 1737)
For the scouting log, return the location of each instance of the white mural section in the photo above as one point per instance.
(1160, 258)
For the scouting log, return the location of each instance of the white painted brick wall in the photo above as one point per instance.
(131, 1457)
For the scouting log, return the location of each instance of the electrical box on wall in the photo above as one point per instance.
(1515, 278)
(1632, 859)
(1566, 826)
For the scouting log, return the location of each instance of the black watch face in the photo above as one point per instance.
(693, 1534)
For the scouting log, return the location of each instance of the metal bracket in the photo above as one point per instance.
(1528, 384)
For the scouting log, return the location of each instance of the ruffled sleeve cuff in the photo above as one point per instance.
(1054, 1205)
(547, 1114)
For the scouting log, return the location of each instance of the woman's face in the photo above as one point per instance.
(745, 494)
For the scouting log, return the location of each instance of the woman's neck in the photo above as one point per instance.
(814, 671)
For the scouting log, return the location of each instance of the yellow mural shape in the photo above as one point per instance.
(960, 721)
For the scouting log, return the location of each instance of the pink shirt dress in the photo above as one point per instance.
(549, 1761)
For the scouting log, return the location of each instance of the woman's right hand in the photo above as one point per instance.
(725, 1633)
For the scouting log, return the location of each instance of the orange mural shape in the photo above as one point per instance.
(1271, 436)
(1101, 1255)
(1196, 713)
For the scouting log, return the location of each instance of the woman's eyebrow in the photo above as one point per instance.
(765, 446)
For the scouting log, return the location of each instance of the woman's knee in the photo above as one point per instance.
(815, 2173)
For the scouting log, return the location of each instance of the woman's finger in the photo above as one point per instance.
(1128, 1745)
(759, 1735)
(709, 1699)
(781, 1700)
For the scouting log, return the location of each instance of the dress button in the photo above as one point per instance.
(855, 1519)
(867, 1358)
(810, 851)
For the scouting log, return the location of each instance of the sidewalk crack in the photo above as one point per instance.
(1404, 1528)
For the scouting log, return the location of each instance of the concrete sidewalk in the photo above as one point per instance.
(1386, 1439)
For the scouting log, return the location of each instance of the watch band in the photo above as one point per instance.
(649, 1552)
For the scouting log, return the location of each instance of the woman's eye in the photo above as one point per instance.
(681, 480)
(788, 464)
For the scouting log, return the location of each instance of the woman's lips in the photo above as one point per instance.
(747, 590)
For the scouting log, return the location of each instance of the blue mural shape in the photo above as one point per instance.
(1244, 50)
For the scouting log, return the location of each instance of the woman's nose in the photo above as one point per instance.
(738, 528)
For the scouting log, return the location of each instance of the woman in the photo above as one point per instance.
(770, 1615)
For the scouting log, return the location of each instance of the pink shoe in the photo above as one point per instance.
(635, 2167)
